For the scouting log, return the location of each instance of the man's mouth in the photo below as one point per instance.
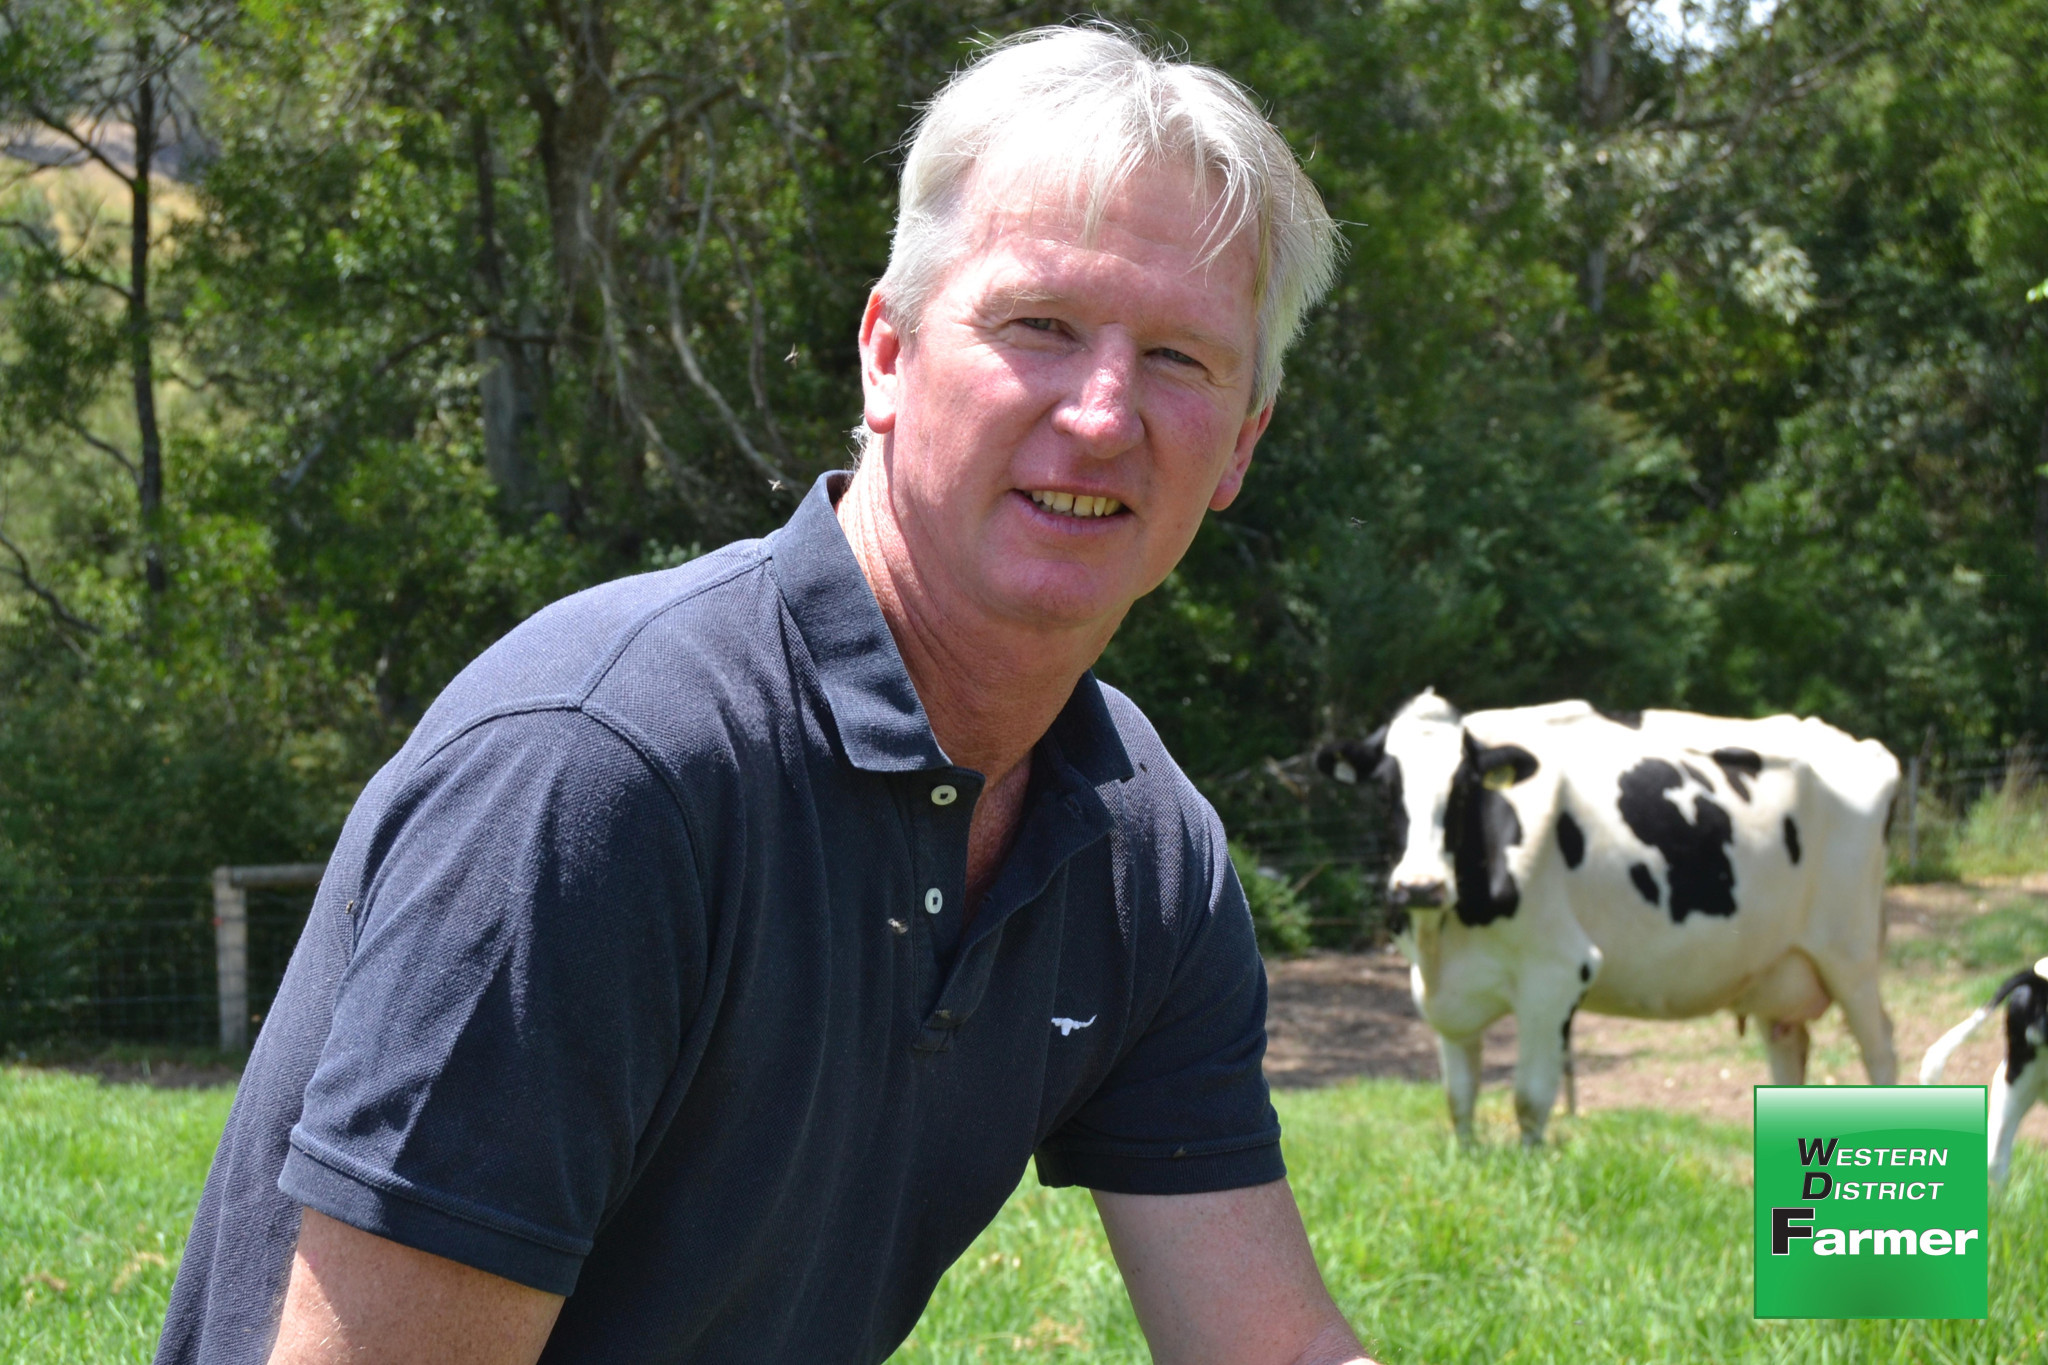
(1076, 504)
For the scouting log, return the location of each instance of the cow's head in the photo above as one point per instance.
(1450, 821)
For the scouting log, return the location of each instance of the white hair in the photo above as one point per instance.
(1085, 107)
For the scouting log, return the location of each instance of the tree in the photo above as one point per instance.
(103, 84)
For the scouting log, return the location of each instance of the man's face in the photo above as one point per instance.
(1049, 379)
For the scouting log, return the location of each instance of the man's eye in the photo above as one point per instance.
(1177, 357)
(1039, 324)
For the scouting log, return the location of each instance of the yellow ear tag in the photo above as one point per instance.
(1501, 778)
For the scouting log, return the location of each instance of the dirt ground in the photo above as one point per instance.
(1335, 1016)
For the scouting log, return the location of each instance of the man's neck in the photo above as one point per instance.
(990, 688)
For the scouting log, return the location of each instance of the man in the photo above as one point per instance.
(703, 973)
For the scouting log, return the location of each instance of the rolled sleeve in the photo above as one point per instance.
(529, 949)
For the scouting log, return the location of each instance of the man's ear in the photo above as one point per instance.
(1240, 459)
(881, 359)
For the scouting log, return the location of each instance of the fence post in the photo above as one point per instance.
(231, 958)
(1913, 811)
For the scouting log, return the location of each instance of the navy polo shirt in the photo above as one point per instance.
(640, 975)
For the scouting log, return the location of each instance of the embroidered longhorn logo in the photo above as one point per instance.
(1067, 1026)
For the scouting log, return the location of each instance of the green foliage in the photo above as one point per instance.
(2006, 832)
(1278, 911)
(1657, 374)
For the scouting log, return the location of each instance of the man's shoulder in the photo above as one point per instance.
(1159, 801)
(698, 616)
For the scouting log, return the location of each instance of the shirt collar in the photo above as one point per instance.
(881, 722)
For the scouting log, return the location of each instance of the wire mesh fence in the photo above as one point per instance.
(130, 959)
(135, 960)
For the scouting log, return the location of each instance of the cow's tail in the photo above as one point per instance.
(1937, 1056)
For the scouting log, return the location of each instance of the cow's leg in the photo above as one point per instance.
(1571, 1072)
(1785, 1044)
(1543, 1021)
(1864, 1011)
(1461, 1080)
(2010, 1102)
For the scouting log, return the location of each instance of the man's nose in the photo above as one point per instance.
(1103, 415)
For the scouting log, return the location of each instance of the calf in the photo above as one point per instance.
(1660, 865)
(2020, 1079)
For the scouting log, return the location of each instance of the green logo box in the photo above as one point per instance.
(1871, 1202)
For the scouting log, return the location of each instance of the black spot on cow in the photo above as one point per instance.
(1480, 826)
(1792, 840)
(1696, 775)
(2026, 1011)
(1632, 719)
(1397, 808)
(1645, 880)
(1737, 764)
(2028, 1006)
(1585, 971)
(1571, 840)
(1695, 851)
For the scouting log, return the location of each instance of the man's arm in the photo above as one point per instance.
(1226, 1278)
(355, 1296)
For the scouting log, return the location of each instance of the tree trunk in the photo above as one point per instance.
(572, 127)
(513, 381)
(2041, 494)
(150, 477)
(1597, 27)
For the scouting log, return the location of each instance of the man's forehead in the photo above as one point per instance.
(1165, 202)
(1038, 252)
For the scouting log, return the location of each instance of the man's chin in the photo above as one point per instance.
(1061, 602)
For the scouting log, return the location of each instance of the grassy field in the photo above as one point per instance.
(97, 1185)
(1627, 1240)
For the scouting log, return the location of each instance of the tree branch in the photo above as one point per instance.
(757, 341)
(679, 338)
(291, 477)
(108, 448)
(27, 578)
(70, 134)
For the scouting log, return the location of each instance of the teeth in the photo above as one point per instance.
(1076, 504)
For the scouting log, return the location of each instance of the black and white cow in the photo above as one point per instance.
(1659, 865)
(2021, 1078)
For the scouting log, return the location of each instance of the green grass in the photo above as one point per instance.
(2003, 834)
(1626, 1240)
(97, 1187)
(2006, 832)
(1997, 941)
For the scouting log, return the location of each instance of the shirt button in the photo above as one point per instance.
(934, 901)
(945, 794)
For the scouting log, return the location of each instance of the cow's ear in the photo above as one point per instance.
(1502, 765)
(1354, 760)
